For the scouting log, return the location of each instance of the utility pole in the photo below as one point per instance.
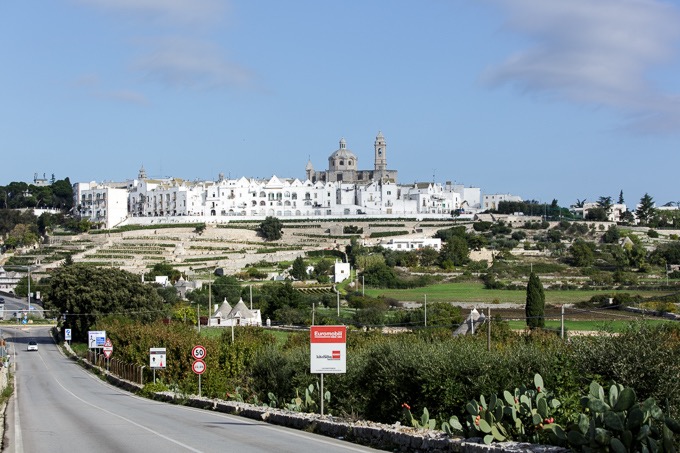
(425, 310)
(562, 323)
(251, 297)
(29, 290)
(488, 328)
(362, 286)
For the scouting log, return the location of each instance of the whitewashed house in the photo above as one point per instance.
(404, 244)
(342, 272)
(239, 315)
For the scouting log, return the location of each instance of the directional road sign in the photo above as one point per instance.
(67, 334)
(96, 338)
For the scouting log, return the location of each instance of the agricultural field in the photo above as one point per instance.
(475, 292)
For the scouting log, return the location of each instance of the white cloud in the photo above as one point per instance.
(190, 63)
(595, 52)
(175, 11)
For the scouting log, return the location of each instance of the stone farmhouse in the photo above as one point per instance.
(342, 190)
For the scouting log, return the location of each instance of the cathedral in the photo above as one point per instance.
(343, 164)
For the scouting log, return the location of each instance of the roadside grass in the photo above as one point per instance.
(475, 292)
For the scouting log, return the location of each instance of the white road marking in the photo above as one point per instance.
(121, 417)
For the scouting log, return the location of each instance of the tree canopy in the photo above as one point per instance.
(645, 210)
(87, 293)
(271, 229)
(299, 269)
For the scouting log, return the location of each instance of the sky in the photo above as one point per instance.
(560, 99)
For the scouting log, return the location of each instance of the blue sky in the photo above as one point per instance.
(565, 99)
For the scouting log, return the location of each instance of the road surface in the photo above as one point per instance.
(59, 407)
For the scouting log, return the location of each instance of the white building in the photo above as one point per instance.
(613, 214)
(491, 201)
(239, 315)
(101, 203)
(404, 244)
(342, 272)
(333, 193)
(9, 280)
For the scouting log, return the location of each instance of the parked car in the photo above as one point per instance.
(32, 346)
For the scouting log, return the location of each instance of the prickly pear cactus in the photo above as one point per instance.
(616, 421)
(524, 414)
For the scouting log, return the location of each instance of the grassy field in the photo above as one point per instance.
(586, 326)
(475, 292)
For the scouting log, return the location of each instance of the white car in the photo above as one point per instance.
(32, 346)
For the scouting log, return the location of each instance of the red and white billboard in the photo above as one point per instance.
(328, 346)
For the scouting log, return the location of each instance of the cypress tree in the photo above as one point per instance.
(535, 307)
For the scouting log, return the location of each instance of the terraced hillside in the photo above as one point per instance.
(229, 246)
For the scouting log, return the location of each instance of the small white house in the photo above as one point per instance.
(186, 286)
(226, 316)
(8, 280)
(406, 244)
(342, 272)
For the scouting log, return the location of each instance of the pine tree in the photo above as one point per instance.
(645, 210)
(535, 307)
(621, 198)
(299, 269)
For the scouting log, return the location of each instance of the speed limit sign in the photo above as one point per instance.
(198, 352)
(198, 366)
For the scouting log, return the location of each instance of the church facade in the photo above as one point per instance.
(343, 166)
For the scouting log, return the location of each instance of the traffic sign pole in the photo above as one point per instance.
(198, 352)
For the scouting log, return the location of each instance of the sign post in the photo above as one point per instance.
(198, 367)
(328, 352)
(67, 335)
(108, 350)
(156, 360)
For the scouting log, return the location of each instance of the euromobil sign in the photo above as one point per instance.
(328, 346)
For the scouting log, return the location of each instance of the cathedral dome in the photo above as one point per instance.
(343, 154)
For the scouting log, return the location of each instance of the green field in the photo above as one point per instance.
(475, 292)
(586, 326)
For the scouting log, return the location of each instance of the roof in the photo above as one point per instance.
(240, 311)
(223, 310)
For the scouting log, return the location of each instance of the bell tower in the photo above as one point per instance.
(380, 148)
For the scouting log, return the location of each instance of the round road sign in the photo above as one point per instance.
(198, 366)
(198, 352)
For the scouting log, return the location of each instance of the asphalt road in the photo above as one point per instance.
(13, 305)
(59, 407)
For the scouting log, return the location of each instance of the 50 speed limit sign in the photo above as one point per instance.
(198, 352)
(198, 366)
